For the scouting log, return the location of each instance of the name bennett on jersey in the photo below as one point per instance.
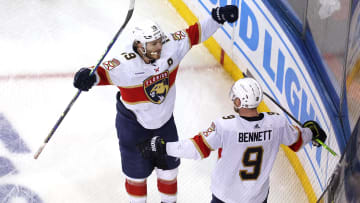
(255, 136)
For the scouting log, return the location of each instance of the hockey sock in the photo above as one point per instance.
(136, 189)
(167, 184)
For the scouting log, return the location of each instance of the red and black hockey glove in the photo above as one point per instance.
(318, 132)
(228, 13)
(83, 80)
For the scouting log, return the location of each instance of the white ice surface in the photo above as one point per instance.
(42, 43)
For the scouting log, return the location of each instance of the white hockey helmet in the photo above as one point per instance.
(147, 31)
(248, 91)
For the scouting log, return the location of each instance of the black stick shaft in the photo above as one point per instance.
(282, 108)
(58, 122)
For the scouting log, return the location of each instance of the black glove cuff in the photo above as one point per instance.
(227, 13)
(215, 13)
(313, 126)
(317, 131)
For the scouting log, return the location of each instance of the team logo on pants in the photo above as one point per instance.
(156, 87)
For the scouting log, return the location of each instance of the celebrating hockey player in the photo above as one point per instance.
(248, 143)
(145, 74)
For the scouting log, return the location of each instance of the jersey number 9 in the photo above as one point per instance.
(250, 161)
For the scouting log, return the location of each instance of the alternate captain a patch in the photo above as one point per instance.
(156, 87)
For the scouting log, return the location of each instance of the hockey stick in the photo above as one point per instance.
(294, 119)
(127, 19)
(298, 122)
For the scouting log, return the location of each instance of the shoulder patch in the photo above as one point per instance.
(179, 35)
(109, 65)
(209, 130)
(212, 126)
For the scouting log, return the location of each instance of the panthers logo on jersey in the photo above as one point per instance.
(179, 35)
(109, 65)
(156, 87)
(209, 130)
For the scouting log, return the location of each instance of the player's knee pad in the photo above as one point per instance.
(136, 189)
(167, 184)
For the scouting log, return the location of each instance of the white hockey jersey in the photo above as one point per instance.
(149, 89)
(248, 150)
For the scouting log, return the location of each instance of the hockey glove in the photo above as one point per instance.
(83, 80)
(229, 13)
(318, 132)
(152, 148)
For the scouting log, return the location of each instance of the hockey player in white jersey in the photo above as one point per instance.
(145, 73)
(248, 143)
